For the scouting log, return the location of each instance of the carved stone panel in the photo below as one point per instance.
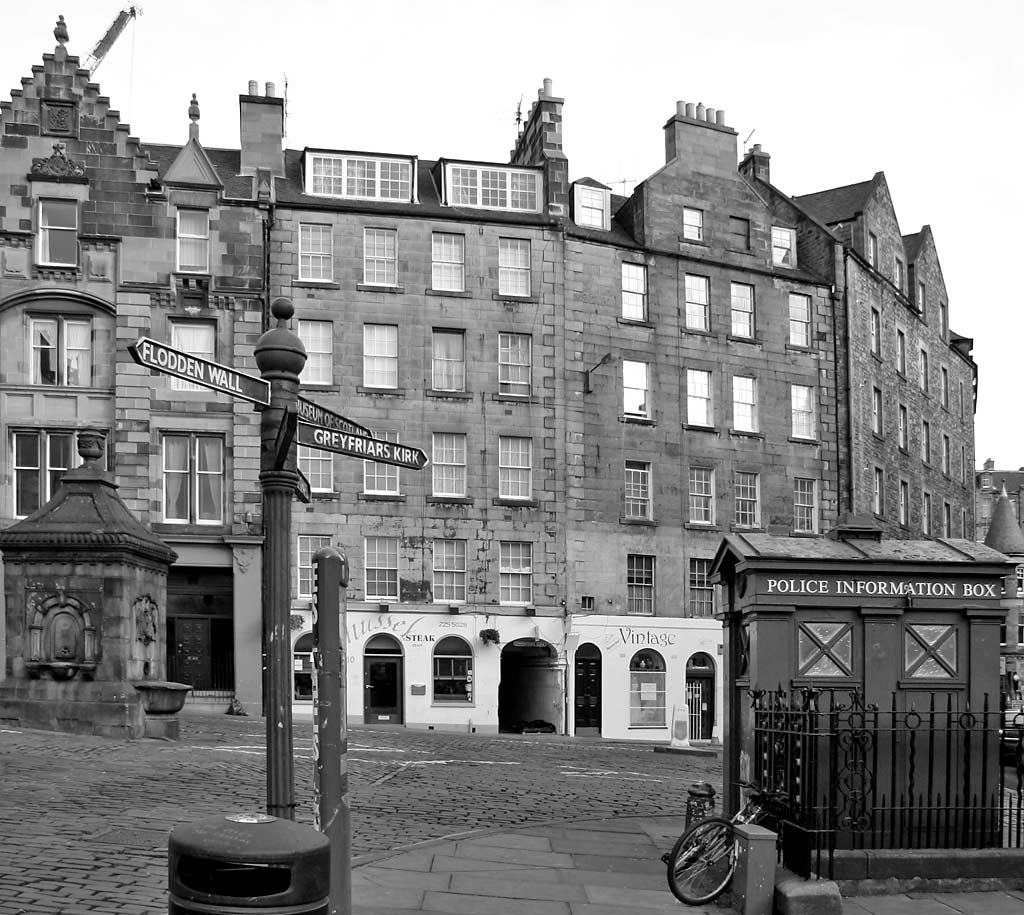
(58, 119)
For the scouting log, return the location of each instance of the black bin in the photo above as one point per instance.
(240, 863)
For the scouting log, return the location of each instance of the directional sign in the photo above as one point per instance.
(316, 415)
(303, 491)
(372, 449)
(155, 355)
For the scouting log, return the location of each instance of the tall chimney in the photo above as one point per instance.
(262, 132)
(700, 136)
(540, 143)
(755, 164)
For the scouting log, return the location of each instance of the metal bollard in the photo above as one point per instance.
(700, 803)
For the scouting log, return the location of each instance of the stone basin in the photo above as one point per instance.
(162, 697)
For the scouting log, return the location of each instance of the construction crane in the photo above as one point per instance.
(103, 46)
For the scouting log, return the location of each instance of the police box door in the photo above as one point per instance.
(382, 681)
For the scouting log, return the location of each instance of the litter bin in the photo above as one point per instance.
(240, 863)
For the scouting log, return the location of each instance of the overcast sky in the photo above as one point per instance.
(928, 91)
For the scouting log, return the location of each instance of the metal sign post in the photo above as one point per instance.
(330, 742)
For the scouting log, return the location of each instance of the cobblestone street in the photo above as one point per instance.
(84, 820)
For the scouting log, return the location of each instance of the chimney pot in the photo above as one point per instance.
(547, 88)
(720, 117)
(270, 90)
(254, 87)
(757, 147)
(691, 111)
(700, 111)
(681, 109)
(709, 115)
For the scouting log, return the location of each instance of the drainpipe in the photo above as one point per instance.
(846, 471)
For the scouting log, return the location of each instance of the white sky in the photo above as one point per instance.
(928, 91)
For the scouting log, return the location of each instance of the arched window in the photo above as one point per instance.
(382, 644)
(453, 671)
(647, 690)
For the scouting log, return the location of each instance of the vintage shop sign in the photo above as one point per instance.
(881, 587)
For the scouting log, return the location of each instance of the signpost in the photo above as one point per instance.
(288, 418)
(155, 355)
(370, 449)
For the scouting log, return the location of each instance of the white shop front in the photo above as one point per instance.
(634, 679)
(454, 672)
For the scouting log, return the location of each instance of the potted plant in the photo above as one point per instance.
(490, 635)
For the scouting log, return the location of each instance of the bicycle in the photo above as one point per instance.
(703, 860)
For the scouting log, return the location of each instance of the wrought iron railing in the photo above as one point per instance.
(860, 777)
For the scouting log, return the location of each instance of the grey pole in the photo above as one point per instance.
(280, 356)
(334, 816)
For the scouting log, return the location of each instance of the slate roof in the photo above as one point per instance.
(838, 204)
(227, 162)
(1004, 533)
(912, 245)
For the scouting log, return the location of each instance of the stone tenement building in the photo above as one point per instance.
(605, 387)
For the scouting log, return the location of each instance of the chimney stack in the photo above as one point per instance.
(700, 136)
(262, 132)
(540, 143)
(755, 164)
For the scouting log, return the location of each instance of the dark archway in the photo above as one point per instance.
(700, 695)
(530, 692)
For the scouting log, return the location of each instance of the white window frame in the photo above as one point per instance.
(947, 520)
(744, 403)
(318, 338)
(800, 320)
(634, 291)
(904, 506)
(205, 348)
(947, 455)
(747, 496)
(926, 513)
(454, 667)
(45, 469)
(515, 573)
(699, 402)
(515, 467)
(741, 296)
(316, 253)
(783, 246)
(926, 441)
(873, 250)
(62, 353)
(876, 332)
(878, 492)
(903, 427)
(899, 275)
(447, 373)
(348, 176)
(194, 475)
(805, 505)
(641, 594)
(380, 256)
(49, 230)
(701, 602)
(901, 351)
(380, 479)
(591, 206)
(944, 387)
(697, 291)
(307, 546)
(637, 491)
(693, 224)
(448, 262)
(449, 571)
(515, 364)
(200, 239)
(701, 496)
(380, 356)
(636, 389)
(493, 187)
(645, 711)
(923, 371)
(515, 267)
(803, 400)
(318, 467)
(448, 463)
(877, 410)
(383, 551)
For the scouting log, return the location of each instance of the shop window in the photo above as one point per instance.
(453, 671)
(646, 690)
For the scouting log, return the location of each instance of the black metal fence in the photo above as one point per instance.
(851, 775)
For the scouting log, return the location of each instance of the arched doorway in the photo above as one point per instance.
(302, 665)
(587, 689)
(530, 694)
(700, 695)
(382, 681)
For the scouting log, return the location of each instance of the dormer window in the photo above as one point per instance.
(360, 177)
(590, 206)
(492, 187)
(783, 246)
(58, 233)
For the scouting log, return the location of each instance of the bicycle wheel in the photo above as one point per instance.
(702, 861)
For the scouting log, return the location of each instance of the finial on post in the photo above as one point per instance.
(279, 352)
(60, 31)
